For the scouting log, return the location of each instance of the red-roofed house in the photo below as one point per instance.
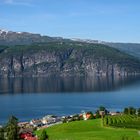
(86, 116)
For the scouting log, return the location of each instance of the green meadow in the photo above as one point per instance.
(89, 130)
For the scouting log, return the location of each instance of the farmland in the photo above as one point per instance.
(89, 130)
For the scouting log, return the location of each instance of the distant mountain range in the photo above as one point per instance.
(130, 48)
(11, 38)
(27, 54)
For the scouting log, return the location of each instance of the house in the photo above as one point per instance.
(66, 119)
(31, 138)
(36, 123)
(114, 113)
(49, 119)
(69, 119)
(102, 113)
(27, 134)
(23, 124)
(86, 115)
(81, 116)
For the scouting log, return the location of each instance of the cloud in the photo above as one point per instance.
(8, 1)
(19, 2)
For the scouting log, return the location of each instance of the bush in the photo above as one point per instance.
(43, 135)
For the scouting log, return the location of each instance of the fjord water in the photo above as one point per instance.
(29, 98)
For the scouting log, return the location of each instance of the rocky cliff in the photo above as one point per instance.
(64, 58)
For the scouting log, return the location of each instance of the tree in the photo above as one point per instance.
(131, 111)
(43, 135)
(125, 111)
(102, 108)
(12, 129)
(1, 134)
(138, 112)
(98, 114)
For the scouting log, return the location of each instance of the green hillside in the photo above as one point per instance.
(89, 130)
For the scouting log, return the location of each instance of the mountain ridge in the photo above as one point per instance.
(10, 38)
(27, 54)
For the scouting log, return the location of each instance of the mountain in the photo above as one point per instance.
(66, 59)
(11, 38)
(26, 54)
(129, 48)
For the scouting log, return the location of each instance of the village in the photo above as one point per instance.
(27, 128)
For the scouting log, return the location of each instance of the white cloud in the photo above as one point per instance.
(8, 1)
(19, 2)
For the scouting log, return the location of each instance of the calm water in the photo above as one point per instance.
(28, 98)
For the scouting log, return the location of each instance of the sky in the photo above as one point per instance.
(108, 20)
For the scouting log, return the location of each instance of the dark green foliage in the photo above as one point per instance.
(138, 112)
(64, 120)
(12, 129)
(127, 138)
(102, 108)
(130, 111)
(98, 114)
(1, 134)
(76, 117)
(43, 135)
(125, 111)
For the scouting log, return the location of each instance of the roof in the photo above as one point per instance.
(36, 121)
(88, 116)
(23, 123)
(26, 130)
(31, 138)
(49, 116)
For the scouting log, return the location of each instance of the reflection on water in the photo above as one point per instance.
(65, 84)
(29, 106)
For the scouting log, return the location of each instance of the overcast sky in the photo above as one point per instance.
(108, 20)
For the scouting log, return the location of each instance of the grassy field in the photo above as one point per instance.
(89, 130)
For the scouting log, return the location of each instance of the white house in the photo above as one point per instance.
(49, 119)
(36, 123)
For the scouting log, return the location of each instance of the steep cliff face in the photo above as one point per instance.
(65, 59)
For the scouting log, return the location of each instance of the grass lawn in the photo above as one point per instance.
(89, 130)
